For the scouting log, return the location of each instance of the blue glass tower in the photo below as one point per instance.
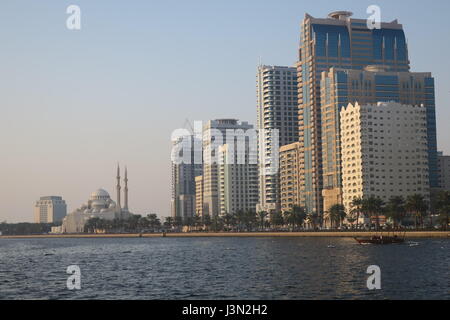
(342, 42)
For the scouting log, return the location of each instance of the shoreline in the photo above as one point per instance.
(409, 235)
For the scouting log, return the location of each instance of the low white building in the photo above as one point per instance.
(384, 151)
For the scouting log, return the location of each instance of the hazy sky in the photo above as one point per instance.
(74, 103)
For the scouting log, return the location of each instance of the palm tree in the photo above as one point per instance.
(337, 214)
(443, 207)
(169, 222)
(276, 219)
(262, 216)
(289, 218)
(313, 219)
(373, 206)
(207, 221)
(417, 206)
(395, 209)
(250, 219)
(357, 208)
(153, 221)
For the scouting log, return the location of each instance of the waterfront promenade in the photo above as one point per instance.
(408, 235)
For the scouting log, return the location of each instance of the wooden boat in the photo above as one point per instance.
(381, 240)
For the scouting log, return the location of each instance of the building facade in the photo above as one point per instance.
(337, 41)
(277, 119)
(184, 172)
(50, 210)
(238, 180)
(384, 151)
(199, 196)
(291, 166)
(215, 134)
(371, 85)
(444, 171)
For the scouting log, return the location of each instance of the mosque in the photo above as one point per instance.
(100, 205)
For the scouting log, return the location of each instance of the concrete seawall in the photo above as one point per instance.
(409, 235)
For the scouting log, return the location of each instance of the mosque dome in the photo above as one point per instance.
(100, 194)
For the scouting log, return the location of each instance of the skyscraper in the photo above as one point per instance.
(216, 133)
(184, 172)
(371, 85)
(277, 118)
(384, 151)
(342, 42)
(238, 180)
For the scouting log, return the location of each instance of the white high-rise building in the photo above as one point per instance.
(277, 124)
(50, 210)
(238, 180)
(384, 151)
(216, 133)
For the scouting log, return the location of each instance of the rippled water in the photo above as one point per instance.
(222, 268)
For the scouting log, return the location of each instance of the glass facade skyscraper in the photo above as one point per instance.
(374, 84)
(343, 42)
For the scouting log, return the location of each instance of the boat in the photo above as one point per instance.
(381, 240)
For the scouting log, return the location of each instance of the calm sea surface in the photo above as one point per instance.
(222, 268)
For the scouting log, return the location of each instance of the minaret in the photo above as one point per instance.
(119, 207)
(125, 205)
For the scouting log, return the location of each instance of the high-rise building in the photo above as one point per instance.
(199, 196)
(215, 134)
(343, 42)
(371, 85)
(238, 178)
(291, 164)
(384, 151)
(50, 210)
(184, 172)
(277, 118)
(444, 171)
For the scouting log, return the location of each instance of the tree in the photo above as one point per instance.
(417, 206)
(443, 208)
(153, 221)
(169, 222)
(207, 221)
(357, 209)
(178, 221)
(262, 216)
(295, 217)
(395, 209)
(337, 214)
(374, 206)
(313, 219)
(276, 219)
(228, 220)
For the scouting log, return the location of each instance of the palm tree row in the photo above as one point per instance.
(397, 209)
(135, 223)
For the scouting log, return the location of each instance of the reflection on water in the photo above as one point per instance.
(222, 268)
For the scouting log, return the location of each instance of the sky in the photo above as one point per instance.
(74, 103)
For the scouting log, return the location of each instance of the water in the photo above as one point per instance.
(222, 268)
